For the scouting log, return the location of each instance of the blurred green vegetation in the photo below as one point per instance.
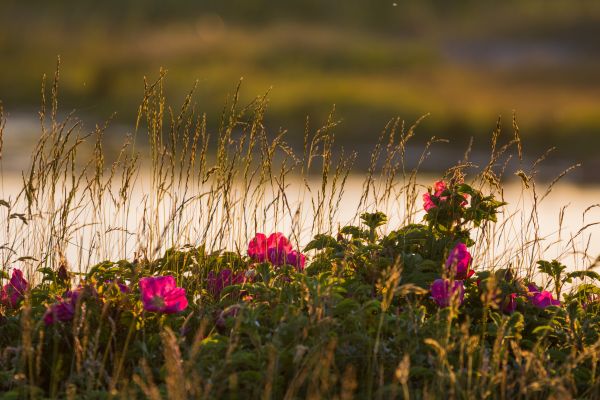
(465, 62)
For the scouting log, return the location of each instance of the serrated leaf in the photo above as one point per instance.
(584, 274)
(321, 242)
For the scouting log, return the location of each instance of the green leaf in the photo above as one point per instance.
(321, 242)
(373, 220)
(542, 329)
(584, 274)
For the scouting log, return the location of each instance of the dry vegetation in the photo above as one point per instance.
(357, 323)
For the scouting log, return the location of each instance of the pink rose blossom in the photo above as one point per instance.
(459, 260)
(428, 203)
(442, 292)
(161, 294)
(544, 299)
(432, 200)
(541, 299)
(217, 282)
(278, 247)
(439, 187)
(275, 249)
(14, 291)
(257, 248)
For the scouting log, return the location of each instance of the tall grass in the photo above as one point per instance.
(176, 193)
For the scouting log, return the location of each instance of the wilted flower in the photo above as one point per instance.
(14, 291)
(217, 282)
(541, 299)
(509, 304)
(161, 294)
(442, 291)
(459, 260)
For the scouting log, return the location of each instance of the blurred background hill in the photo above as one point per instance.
(464, 62)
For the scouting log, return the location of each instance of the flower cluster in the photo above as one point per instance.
(275, 249)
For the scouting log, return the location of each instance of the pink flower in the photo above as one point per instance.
(432, 200)
(217, 282)
(276, 249)
(439, 187)
(509, 305)
(297, 260)
(257, 248)
(428, 203)
(544, 299)
(64, 310)
(541, 299)
(161, 294)
(459, 261)
(442, 292)
(14, 291)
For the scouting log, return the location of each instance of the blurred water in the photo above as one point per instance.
(552, 229)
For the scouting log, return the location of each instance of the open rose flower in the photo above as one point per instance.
(161, 294)
(217, 282)
(459, 261)
(442, 292)
(434, 197)
(541, 299)
(275, 249)
(14, 291)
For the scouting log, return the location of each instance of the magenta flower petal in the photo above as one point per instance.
(439, 187)
(14, 291)
(278, 247)
(459, 260)
(428, 203)
(442, 292)
(297, 260)
(544, 299)
(257, 248)
(161, 294)
(62, 311)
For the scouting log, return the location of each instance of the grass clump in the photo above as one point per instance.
(178, 294)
